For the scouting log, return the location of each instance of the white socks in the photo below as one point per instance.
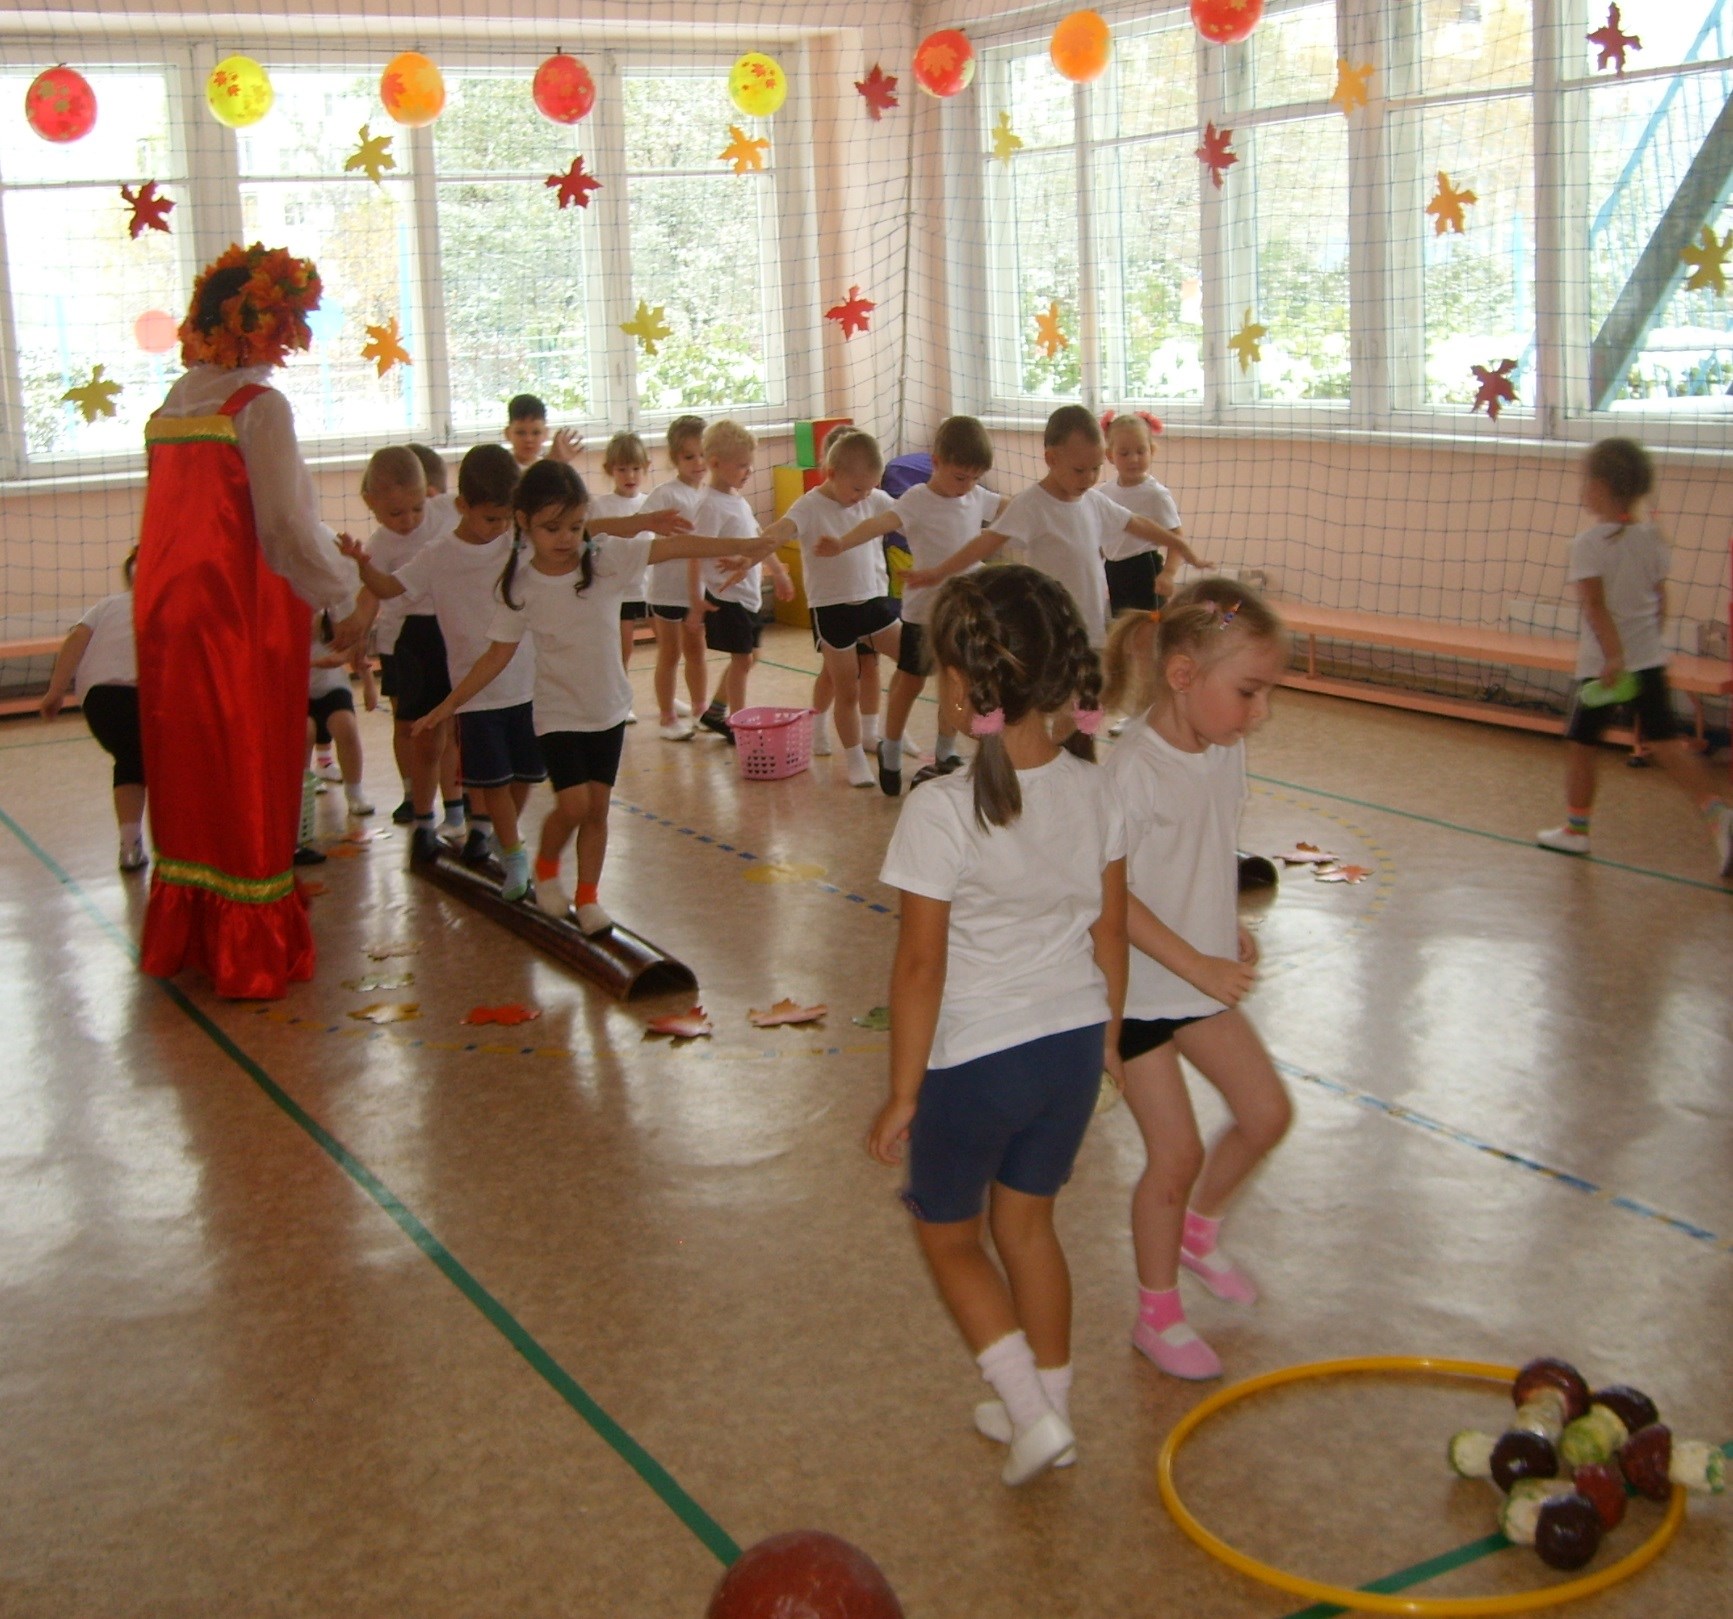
(869, 729)
(891, 752)
(1009, 1366)
(860, 773)
(821, 734)
(945, 747)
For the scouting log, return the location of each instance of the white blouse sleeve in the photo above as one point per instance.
(296, 544)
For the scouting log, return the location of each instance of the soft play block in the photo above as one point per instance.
(788, 484)
(809, 438)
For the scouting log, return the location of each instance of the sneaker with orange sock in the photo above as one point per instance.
(550, 897)
(587, 910)
(1164, 1335)
(1201, 1254)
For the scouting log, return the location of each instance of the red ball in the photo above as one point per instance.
(60, 104)
(1226, 22)
(563, 89)
(805, 1574)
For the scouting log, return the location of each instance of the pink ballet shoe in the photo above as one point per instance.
(1177, 1350)
(1220, 1275)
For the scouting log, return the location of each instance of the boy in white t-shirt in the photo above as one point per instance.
(1062, 525)
(938, 518)
(1619, 569)
(679, 631)
(626, 464)
(728, 599)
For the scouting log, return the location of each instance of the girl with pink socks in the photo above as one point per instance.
(1199, 680)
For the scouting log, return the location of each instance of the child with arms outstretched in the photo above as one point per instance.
(679, 630)
(1006, 990)
(625, 464)
(1198, 683)
(1135, 565)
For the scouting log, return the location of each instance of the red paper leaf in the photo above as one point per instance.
(149, 210)
(851, 314)
(785, 1011)
(1614, 42)
(1217, 153)
(574, 185)
(879, 90)
(507, 1015)
(1305, 854)
(693, 1025)
(1496, 390)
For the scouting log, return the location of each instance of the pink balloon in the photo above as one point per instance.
(156, 331)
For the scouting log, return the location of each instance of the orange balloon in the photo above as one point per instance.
(1081, 47)
(413, 89)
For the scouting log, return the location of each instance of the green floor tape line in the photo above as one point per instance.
(1415, 1574)
(714, 1537)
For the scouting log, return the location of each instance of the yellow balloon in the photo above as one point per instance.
(239, 92)
(757, 85)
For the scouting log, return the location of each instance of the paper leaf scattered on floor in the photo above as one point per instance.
(378, 983)
(1305, 854)
(384, 952)
(344, 850)
(785, 1011)
(1342, 874)
(783, 871)
(1108, 1095)
(693, 1025)
(388, 1012)
(310, 887)
(508, 1015)
(878, 1019)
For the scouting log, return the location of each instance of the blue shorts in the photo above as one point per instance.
(499, 747)
(1016, 1117)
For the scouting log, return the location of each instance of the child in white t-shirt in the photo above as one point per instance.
(331, 713)
(1134, 564)
(98, 661)
(1619, 569)
(847, 591)
(679, 631)
(728, 598)
(567, 601)
(1006, 990)
(625, 464)
(938, 518)
(1202, 681)
(1062, 525)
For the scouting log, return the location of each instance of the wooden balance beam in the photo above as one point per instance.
(624, 964)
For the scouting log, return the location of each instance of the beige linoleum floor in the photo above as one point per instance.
(303, 1315)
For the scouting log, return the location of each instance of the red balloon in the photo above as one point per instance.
(1226, 22)
(156, 331)
(563, 89)
(804, 1575)
(60, 104)
(945, 63)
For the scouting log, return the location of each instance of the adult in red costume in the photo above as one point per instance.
(232, 560)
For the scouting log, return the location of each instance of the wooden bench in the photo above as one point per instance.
(1696, 677)
(40, 646)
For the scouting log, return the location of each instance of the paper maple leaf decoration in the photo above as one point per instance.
(851, 314)
(879, 90)
(1496, 390)
(96, 397)
(745, 153)
(1708, 262)
(1005, 139)
(373, 155)
(1245, 342)
(1217, 153)
(692, 1025)
(1353, 85)
(506, 1015)
(785, 1011)
(149, 210)
(648, 326)
(1048, 338)
(939, 57)
(574, 185)
(385, 347)
(1447, 205)
(388, 1012)
(1614, 42)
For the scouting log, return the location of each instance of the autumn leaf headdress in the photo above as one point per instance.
(261, 319)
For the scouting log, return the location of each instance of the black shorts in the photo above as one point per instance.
(1131, 583)
(1652, 708)
(320, 710)
(576, 757)
(111, 712)
(387, 674)
(730, 627)
(843, 624)
(915, 654)
(499, 746)
(631, 612)
(418, 668)
(674, 615)
(1140, 1036)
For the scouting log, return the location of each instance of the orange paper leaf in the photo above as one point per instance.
(385, 346)
(785, 1011)
(693, 1025)
(1306, 854)
(1217, 153)
(388, 1012)
(1342, 874)
(1496, 388)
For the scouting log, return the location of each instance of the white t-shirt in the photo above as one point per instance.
(322, 682)
(1147, 499)
(1182, 817)
(460, 582)
(668, 587)
(728, 517)
(388, 552)
(612, 505)
(1067, 540)
(109, 659)
(1630, 562)
(1020, 963)
(580, 683)
(937, 527)
(859, 574)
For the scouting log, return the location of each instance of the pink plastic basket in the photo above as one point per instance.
(772, 743)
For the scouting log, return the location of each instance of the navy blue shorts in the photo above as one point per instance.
(420, 681)
(1652, 708)
(499, 747)
(1016, 1117)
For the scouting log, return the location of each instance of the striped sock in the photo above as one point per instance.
(1578, 822)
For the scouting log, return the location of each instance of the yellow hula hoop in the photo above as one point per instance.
(1344, 1596)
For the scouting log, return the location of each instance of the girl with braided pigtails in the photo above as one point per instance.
(1006, 989)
